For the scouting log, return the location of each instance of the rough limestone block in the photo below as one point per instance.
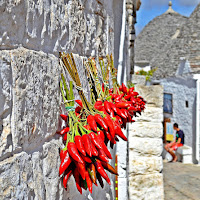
(31, 175)
(146, 146)
(147, 187)
(16, 176)
(36, 97)
(5, 104)
(146, 129)
(138, 80)
(149, 115)
(139, 165)
(152, 94)
(79, 26)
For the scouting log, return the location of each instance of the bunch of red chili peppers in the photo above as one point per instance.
(88, 131)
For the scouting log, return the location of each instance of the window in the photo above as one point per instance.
(168, 103)
(186, 104)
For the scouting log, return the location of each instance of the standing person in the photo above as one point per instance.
(178, 142)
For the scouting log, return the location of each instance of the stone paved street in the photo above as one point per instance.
(181, 181)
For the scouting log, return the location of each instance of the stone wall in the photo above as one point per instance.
(145, 148)
(32, 33)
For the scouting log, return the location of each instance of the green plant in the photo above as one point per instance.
(130, 84)
(147, 74)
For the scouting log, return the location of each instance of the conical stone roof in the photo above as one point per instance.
(166, 39)
(157, 34)
(186, 44)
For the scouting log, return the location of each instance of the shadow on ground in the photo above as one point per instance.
(181, 181)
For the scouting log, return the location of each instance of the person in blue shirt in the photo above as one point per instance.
(178, 142)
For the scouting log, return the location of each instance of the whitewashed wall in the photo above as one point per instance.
(182, 90)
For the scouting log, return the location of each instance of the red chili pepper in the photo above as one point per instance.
(89, 181)
(79, 144)
(112, 115)
(104, 147)
(94, 150)
(78, 109)
(92, 123)
(130, 119)
(99, 107)
(101, 134)
(109, 167)
(65, 163)
(111, 145)
(103, 89)
(79, 102)
(81, 169)
(98, 103)
(131, 89)
(123, 105)
(118, 98)
(73, 152)
(112, 105)
(92, 172)
(114, 96)
(104, 111)
(124, 122)
(100, 179)
(110, 137)
(99, 120)
(63, 154)
(102, 156)
(101, 171)
(77, 180)
(83, 184)
(109, 123)
(124, 88)
(64, 117)
(119, 132)
(87, 127)
(65, 130)
(107, 106)
(119, 119)
(120, 113)
(125, 112)
(86, 158)
(131, 108)
(134, 93)
(111, 90)
(87, 144)
(65, 137)
(120, 88)
(67, 175)
(116, 139)
(95, 140)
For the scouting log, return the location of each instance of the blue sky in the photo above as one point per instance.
(152, 8)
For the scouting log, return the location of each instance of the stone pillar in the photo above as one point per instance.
(145, 148)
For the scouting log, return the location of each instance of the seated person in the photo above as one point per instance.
(178, 142)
